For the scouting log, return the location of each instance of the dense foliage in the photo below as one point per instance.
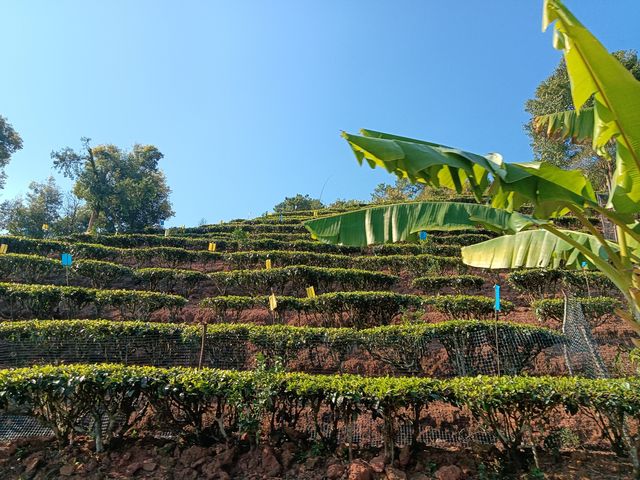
(33, 301)
(207, 404)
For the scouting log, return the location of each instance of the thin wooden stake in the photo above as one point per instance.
(202, 344)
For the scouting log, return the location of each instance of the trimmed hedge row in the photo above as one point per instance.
(414, 263)
(20, 301)
(101, 274)
(596, 310)
(296, 278)
(540, 282)
(357, 308)
(258, 227)
(35, 268)
(236, 346)
(434, 283)
(216, 405)
(321, 254)
(466, 306)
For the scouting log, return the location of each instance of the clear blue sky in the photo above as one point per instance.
(246, 99)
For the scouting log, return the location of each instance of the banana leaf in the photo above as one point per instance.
(576, 125)
(549, 188)
(594, 71)
(533, 249)
(403, 222)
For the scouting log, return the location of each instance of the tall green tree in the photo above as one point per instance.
(553, 95)
(126, 191)
(10, 143)
(41, 206)
(298, 203)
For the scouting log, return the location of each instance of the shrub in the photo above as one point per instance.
(457, 282)
(205, 405)
(357, 309)
(102, 274)
(585, 282)
(171, 280)
(27, 268)
(466, 306)
(415, 264)
(34, 268)
(49, 301)
(296, 278)
(362, 309)
(596, 309)
(538, 283)
(402, 347)
(535, 282)
(230, 307)
(33, 246)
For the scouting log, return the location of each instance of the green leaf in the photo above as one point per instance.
(511, 185)
(576, 125)
(594, 71)
(401, 222)
(532, 249)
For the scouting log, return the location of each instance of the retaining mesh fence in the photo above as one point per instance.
(491, 351)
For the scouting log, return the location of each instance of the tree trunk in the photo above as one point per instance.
(92, 221)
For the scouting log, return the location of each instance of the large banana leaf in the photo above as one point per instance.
(576, 125)
(547, 187)
(402, 222)
(533, 249)
(594, 71)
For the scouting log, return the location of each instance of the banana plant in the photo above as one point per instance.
(501, 188)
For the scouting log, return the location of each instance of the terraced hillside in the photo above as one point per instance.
(385, 353)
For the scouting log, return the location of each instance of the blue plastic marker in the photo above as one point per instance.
(497, 305)
(423, 235)
(67, 259)
(584, 264)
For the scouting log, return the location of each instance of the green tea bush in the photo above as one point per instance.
(205, 405)
(354, 309)
(402, 347)
(34, 268)
(459, 283)
(296, 278)
(33, 246)
(466, 306)
(21, 300)
(415, 264)
(596, 310)
(536, 282)
(171, 280)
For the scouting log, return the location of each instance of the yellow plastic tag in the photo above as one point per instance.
(273, 303)
(45, 227)
(267, 263)
(315, 213)
(212, 246)
(311, 292)
(3, 248)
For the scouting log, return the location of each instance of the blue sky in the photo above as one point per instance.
(246, 99)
